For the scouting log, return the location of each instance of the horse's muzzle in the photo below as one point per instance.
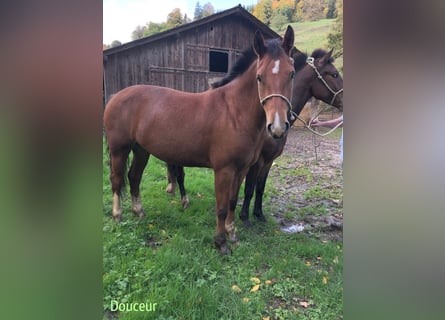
(278, 131)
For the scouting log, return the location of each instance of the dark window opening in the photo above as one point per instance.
(218, 61)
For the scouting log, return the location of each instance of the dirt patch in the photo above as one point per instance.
(308, 185)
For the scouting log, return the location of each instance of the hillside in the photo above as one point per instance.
(312, 35)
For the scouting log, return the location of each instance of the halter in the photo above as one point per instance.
(293, 115)
(263, 101)
(310, 62)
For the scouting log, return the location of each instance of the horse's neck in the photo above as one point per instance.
(302, 91)
(244, 91)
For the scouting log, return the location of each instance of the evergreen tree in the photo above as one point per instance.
(198, 11)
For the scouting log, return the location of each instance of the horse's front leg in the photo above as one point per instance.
(230, 220)
(224, 179)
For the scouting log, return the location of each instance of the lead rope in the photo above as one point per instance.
(315, 142)
(310, 62)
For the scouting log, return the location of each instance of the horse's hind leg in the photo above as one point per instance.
(118, 159)
(140, 158)
(260, 186)
(249, 188)
(176, 174)
(171, 177)
(180, 175)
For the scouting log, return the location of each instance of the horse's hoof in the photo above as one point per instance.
(170, 189)
(118, 218)
(185, 202)
(260, 217)
(247, 223)
(225, 250)
(141, 215)
(233, 238)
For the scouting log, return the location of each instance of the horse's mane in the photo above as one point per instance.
(300, 57)
(247, 57)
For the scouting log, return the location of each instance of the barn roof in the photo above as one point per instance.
(238, 11)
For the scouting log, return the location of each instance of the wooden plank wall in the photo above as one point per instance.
(180, 62)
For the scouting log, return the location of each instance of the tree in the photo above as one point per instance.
(174, 18)
(115, 43)
(311, 10)
(153, 27)
(282, 13)
(330, 9)
(198, 11)
(263, 11)
(138, 32)
(207, 10)
(335, 37)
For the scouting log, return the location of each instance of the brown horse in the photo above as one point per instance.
(221, 128)
(315, 76)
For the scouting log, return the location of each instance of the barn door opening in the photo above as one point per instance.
(218, 61)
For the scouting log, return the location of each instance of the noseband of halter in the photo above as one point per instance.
(289, 104)
(310, 62)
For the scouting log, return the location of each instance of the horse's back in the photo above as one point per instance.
(166, 122)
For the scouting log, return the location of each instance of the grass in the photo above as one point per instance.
(168, 258)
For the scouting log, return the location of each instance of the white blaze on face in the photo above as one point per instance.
(276, 67)
(276, 122)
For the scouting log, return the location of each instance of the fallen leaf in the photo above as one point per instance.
(335, 260)
(256, 280)
(325, 280)
(236, 288)
(150, 226)
(268, 282)
(255, 288)
(304, 304)
(307, 264)
(266, 318)
(245, 299)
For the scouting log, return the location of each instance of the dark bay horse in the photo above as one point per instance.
(315, 76)
(220, 128)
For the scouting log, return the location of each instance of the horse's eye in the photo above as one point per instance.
(335, 75)
(258, 77)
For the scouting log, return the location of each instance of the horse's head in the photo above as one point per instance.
(275, 73)
(326, 83)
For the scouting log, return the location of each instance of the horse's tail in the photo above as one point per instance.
(106, 145)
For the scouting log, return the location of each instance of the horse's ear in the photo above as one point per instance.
(294, 52)
(258, 44)
(326, 58)
(288, 40)
(330, 53)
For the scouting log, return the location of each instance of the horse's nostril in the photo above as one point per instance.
(287, 126)
(269, 127)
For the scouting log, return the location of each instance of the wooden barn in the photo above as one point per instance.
(186, 58)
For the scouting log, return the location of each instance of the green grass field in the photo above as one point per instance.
(168, 258)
